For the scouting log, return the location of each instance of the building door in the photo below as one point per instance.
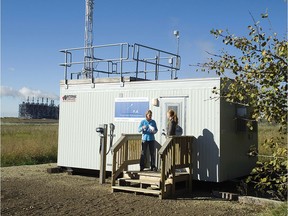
(178, 104)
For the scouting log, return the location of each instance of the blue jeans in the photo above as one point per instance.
(145, 144)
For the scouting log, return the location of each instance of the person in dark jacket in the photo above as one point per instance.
(148, 128)
(172, 123)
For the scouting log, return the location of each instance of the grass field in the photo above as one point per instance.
(34, 141)
(266, 131)
(26, 142)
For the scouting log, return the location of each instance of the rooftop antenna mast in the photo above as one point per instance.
(88, 43)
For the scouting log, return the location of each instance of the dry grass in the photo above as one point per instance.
(36, 141)
(266, 131)
(28, 142)
(280, 210)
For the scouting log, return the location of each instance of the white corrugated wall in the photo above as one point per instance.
(79, 143)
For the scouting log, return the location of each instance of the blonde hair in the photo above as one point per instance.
(173, 115)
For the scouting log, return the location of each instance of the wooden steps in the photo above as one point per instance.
(148, 182)
(175, 159)
(139, 182)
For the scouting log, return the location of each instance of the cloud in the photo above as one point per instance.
(25, 92)
(8, 91)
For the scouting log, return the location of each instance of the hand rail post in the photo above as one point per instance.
(173, 165)
(126, 145)
(163, 174)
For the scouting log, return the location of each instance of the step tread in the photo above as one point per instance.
(144, 173)
(152, 173)
(140, 190)
(143, 181)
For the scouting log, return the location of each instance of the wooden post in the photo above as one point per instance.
(163, 173)
(126, 146)
(173, 166)
(103, 144)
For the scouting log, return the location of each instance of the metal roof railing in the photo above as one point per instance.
(114, 60)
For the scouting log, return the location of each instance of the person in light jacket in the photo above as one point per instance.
(148, 128)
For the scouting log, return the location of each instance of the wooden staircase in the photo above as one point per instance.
(149, 182)
(175, 155)
(144, 182)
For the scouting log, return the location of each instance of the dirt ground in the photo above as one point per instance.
(30, 190)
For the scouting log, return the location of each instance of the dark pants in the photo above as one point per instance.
(145, 144)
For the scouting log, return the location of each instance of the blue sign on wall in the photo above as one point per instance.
(130, 109)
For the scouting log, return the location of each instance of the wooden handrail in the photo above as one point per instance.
(126, 151)
(176, 153)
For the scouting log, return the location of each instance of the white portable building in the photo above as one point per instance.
(222, 141)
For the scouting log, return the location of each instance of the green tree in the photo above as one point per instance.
(259, 80)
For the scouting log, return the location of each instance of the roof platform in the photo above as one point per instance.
(111, 62)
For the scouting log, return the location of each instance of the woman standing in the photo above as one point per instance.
(172, 123)
(148, 128)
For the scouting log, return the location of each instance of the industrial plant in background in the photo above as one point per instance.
(36, 110)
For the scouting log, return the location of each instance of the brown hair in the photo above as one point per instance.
(148, 112)
(173, 115)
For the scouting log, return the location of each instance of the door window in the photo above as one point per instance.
(178, 105)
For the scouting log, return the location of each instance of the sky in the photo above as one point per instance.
(33, 32)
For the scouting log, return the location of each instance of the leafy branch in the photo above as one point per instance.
(258, 79)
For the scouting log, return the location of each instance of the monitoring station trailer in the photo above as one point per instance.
(222, 139)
